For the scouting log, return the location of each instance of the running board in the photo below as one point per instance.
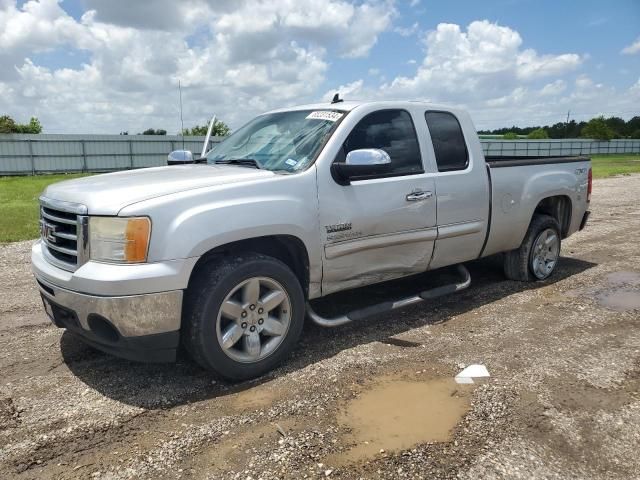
(392, 305)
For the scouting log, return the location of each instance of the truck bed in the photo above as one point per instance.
(521, 161)
(515, 193)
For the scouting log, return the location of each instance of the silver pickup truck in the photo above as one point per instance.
(223, 255)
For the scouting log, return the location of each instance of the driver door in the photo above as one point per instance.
(383, 227)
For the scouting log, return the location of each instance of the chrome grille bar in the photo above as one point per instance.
(63, 232)
(66, 251)
(53, 218)
(67, 236)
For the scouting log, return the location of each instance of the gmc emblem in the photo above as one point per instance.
(48, 232)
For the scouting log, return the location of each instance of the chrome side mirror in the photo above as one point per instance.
(180, 157)
(368, 156)
(362, 164)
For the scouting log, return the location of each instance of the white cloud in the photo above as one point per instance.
(554, 88)
(486, 69)
(245, 32)
(348, 91)
(632, 49)
(531, 65)
(516, 97)
(234, 58)
(407, 31)
(485, 60)
(37, 27)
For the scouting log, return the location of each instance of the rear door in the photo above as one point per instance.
(463, 189)
(384, 227)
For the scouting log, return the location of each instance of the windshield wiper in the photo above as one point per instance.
(245, 162)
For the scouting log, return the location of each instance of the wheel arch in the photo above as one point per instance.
(289, 249)
(558, 207)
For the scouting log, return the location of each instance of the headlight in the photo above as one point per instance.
(121, 240)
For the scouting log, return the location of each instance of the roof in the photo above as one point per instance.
(345, 105)
(348, 105)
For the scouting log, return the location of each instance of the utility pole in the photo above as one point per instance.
(566, 125)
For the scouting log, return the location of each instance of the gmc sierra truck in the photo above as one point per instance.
(223, 254)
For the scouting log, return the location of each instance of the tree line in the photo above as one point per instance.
(220, 129)
(9, 125)
(598, 128)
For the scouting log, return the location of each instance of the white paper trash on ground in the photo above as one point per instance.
(472, 371)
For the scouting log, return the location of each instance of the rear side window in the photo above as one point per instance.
(393, 132)
(448, 141)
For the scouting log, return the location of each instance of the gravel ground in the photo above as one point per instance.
(562, 402)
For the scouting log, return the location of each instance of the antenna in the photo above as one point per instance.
(181, 121)
(206, 140)
(336, 98)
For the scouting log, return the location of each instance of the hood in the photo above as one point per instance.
(107, 194)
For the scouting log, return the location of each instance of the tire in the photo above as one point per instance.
(215, 337)
(520, 264)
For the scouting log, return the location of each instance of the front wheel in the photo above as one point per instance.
(243, 315)
(537, 256)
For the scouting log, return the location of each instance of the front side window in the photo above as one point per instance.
(282, 141)
(393, 132)
(448, 141)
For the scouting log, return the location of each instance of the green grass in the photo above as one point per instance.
(19, 195)
(19, 205)
(609, 165)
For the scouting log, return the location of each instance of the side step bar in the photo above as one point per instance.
(392, 305)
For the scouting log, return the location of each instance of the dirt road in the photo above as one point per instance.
(562, 401)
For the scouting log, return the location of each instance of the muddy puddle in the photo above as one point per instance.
(396, 414)
(254, 398)
(231, 451)
(620, 292)
(620, 301)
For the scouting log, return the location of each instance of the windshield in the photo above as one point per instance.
(285, 141)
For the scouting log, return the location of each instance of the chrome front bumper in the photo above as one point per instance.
(129, 311)
(136, 327)
(131, 316)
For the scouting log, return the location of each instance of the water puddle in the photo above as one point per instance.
(620, 292)
(396, 414)
(621, 300)
(622, 278)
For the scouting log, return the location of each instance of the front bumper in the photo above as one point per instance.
(132, 327)
(127, 311)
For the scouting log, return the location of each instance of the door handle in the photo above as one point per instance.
(417, 196)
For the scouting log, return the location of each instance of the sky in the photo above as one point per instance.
(106, 66)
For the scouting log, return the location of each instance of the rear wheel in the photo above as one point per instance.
(537, 256)
(243, 315)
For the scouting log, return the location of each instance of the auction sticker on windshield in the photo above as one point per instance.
(325, 115)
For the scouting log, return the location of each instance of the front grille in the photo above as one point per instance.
(60, 230)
